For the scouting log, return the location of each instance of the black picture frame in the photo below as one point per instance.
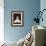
(17, 18)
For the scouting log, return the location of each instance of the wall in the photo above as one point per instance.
(29, 7)
(43, 6)
(1, 20)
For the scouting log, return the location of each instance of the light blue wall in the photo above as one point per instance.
(43, 6)
(30, 7)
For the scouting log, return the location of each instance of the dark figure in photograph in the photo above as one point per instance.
(17, 18)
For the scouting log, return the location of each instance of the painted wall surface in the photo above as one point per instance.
(29, 7)
(43, 6)
(1, 20)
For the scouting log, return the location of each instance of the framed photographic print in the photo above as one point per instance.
(17, 18)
